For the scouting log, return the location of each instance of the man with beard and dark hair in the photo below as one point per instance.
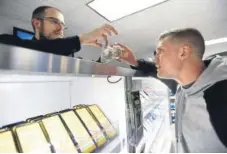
(48, 25)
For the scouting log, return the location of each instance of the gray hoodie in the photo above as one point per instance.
(194, 129)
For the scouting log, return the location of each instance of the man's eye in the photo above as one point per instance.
(161, 51)
(55, 21)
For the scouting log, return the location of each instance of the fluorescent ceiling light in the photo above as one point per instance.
(115, 9)
(216, 41)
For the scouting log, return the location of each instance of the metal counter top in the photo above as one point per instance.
(15, 59)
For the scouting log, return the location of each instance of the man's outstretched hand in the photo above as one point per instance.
(127, 55)
(102, 33)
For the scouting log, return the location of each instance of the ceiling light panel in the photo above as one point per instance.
(116, 9)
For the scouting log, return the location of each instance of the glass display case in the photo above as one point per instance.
(44, 95)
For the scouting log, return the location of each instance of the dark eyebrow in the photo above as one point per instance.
(159, 48)
(55, 19)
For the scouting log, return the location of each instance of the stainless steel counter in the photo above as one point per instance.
(21, 60)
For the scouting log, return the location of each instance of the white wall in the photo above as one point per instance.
(7, 24)
(20, 101)
(217, 48)
(23, 96)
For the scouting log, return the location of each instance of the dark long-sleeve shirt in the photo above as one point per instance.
(62, 46)
(149, 69)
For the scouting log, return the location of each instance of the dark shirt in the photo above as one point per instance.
(62, 46)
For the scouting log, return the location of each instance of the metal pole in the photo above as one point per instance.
(129, 113)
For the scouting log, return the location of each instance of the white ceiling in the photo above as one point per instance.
(138, 31)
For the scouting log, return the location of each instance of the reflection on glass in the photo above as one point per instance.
(110, 131)
(79, 132)
(92, 126)
(7, 144)
(32, 138)
(59, 137)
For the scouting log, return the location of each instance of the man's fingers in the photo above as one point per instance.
(125, 54)
(97, 44)
(107, 32)
(105, 40)
(118, 44)
(119, 59)
(111, 29)
(121, 46)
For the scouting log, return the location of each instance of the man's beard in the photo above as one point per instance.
(42, 37)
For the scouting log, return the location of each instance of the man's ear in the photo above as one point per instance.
(184, 53)
(36, 23)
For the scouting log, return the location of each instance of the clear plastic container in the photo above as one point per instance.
(109, 53)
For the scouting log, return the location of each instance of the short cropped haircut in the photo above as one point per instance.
(39, 12)
(189, 35)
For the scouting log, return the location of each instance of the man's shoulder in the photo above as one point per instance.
(218, 88)
(216, 103)
(216, 94)
(7, 38)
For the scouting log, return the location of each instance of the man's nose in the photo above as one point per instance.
(61, 27)
(155, 59)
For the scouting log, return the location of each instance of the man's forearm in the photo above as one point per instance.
(145, 67)
(149, 69)
(64, 46)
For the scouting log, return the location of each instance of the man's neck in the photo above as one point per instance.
(190, 73)
(39, 37)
